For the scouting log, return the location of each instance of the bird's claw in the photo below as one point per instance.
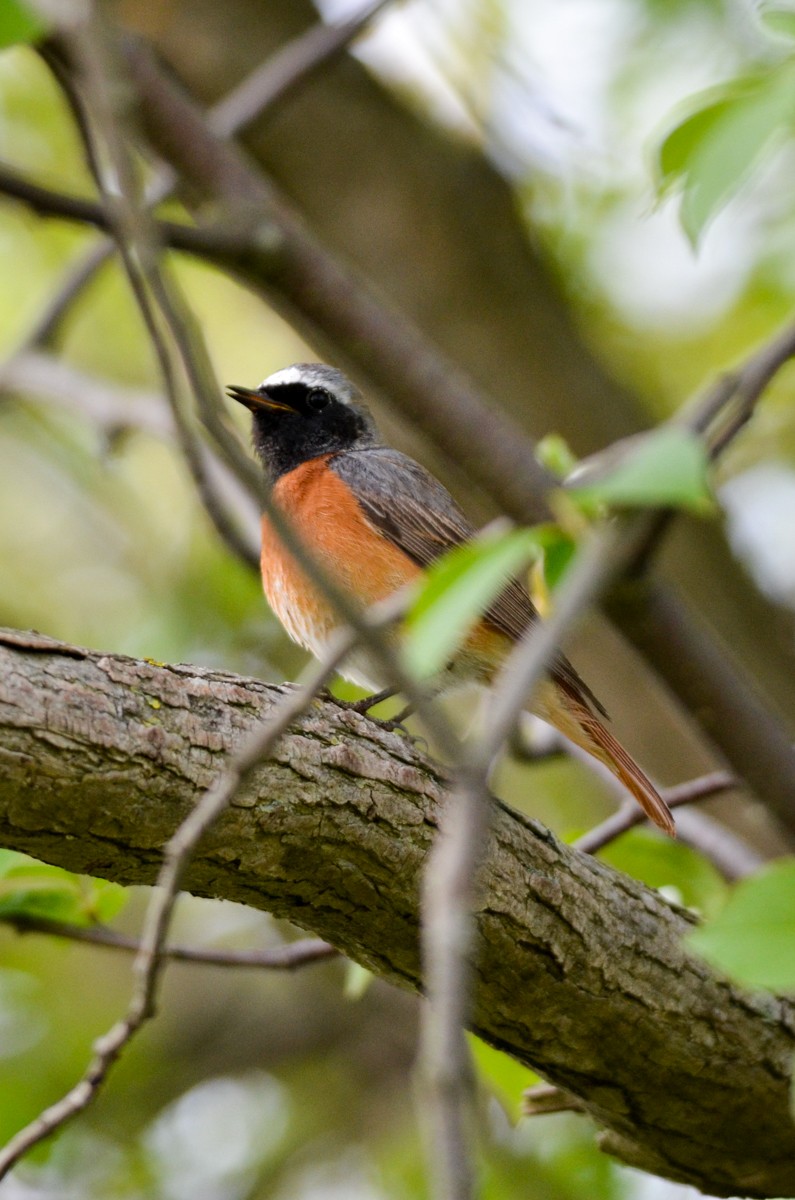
(363, 706)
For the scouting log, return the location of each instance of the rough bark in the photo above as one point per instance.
(580, 970)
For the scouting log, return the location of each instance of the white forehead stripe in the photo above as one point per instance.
(312, 375)
(286, 375)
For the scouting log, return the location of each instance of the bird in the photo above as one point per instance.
(375, 520)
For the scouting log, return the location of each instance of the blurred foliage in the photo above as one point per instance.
(714, 150)
(18, 24)
(752, 937)
(33, 889)
(265, 1086)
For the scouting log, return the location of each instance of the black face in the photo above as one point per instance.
(299, 419)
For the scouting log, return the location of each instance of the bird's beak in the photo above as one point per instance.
(255, 401)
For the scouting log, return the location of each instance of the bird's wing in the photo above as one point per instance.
(414, 511)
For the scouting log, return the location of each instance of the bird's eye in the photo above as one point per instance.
(318, 399)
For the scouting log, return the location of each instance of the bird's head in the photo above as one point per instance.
(302, 412)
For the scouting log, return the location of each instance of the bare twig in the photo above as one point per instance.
(288, 69)
(545, 1098)
(110, 407)
(265, 88)
(136, 245)
(49, 202)
(629, 815)
(447, 940)
(100, 122)
(729, 405)
(287, 957)
(719, 415)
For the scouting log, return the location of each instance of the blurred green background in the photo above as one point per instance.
(249, 1085)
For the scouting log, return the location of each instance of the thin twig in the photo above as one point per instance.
(629, 815)
(449, 880)
(730, 403)
(287, 69)
(109, 406)
(139, 255)
(544, 1098)
(202, 240)
(98, 122)
(719, 415)
(277, 958)
(447, 942)
(262, 90)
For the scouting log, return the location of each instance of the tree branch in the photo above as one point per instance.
(580, 972)
(629, 816)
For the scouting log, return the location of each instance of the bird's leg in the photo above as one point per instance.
(402, 716)
(392, 724)
(395, 725)
(364, 705)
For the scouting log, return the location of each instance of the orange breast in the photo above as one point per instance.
(335, 530)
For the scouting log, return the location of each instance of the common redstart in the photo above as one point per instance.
(375, 519)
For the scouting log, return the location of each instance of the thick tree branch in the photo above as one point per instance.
(579, 971)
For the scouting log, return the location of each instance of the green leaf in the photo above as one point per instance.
(18, 24)
(554, 453)
(557, 550)
(680, 146)
(32, 889)
(682, 873)
(713, 151)
(753, 938)
(457, 589)
(666, 468)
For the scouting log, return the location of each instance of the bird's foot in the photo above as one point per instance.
(390, 725)
(396, 725)
(397, 722)
(364, 705)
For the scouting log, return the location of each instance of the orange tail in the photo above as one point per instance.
(613, 755)
(574, 719)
